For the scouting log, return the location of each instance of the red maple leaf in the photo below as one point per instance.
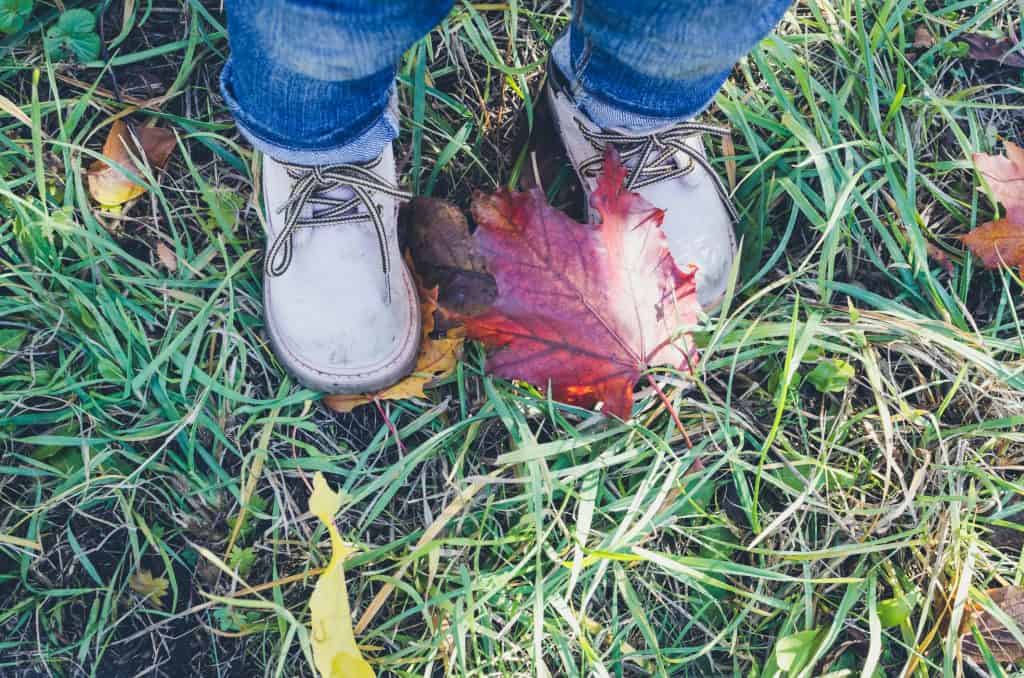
(587, 308)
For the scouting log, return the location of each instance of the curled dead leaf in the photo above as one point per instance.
(1001, 641)
(1004, 51)
(438, 236)
(108, 185)
(445, 255)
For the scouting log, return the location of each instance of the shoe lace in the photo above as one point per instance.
(312, 186)
(655, 155)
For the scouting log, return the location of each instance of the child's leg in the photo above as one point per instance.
(630, 59)
(309, 80)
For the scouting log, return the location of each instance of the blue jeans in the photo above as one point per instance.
(309, 81)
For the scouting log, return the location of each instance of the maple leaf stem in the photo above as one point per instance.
(671, 411)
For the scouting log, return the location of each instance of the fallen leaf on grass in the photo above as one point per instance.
(108, 185)
(437, 359)
(983, 48)
(1001, 242)
(1005, 175)
(923, 38)
(335, 652)
(587, 308)
(997, 243)
(167, 257)
(1005, 648)
(445, 255)
(146, 585)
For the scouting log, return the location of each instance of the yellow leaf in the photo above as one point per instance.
(334, 645)
(146, 585)
(437, 359)
(108, 185)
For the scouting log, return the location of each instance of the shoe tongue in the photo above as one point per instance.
(339, 193)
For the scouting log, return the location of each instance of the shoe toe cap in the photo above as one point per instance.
(343, 341)
(700, 233)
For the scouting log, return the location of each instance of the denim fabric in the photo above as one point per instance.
(635, 60)
(309, 80)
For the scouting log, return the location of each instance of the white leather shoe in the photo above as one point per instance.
(668, 167)
(341, 308)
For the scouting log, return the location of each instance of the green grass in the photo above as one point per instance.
(142, 411)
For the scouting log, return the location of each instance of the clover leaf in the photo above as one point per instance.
(75, 33)
(13, 14)
(831, 376)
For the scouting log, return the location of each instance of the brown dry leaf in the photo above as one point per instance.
(108, 185)
(445, 255)
(997, 243)
(1001, 242)
(167, 257)
(923, 38)
(437, 359)
(439, 237)
(983, 48)
(146, 585)
(1000, 640)
(940, 257)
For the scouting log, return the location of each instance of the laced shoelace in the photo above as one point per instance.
(655, 155)
(311, 187)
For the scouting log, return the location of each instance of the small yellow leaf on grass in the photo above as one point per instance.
(334, 645)
(146, 585)
(437, 359)
(108, 185)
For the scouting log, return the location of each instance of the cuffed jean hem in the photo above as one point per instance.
(361, 141)
(689, 97)
(654, 102)
(607, 113)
